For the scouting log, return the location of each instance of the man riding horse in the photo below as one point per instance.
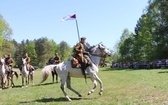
(57, 58)
(8, 61)
(30, 68)
(81, 55)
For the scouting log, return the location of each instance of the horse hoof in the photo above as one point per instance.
(89, 93)
(100, 93)
(80, 95)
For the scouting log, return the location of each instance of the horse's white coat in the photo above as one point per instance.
(25, 73)
(65, 71)
(3, 75)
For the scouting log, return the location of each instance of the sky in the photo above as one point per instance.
(98, 20)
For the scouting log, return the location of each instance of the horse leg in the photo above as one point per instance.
(52, 72)
(32, 79)
(95, 85)
(27, 80)
(56, 77)
(70, 88)
(12, 83)
(63, 81)
(2, 82)
(22, 81)
(8, 81)
(100, 82)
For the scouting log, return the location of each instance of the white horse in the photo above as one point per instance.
(3, 75)
(65, 71)
(26, 74)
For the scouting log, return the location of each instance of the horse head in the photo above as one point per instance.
(99, 50)
(2, 60)
(105, 50)
(24, 61)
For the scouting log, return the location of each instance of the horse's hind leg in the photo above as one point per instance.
(63, 81)
(22, 82)
(70, 88)
(1, 83)
(56, 77)
(52, 72)
(32, 79)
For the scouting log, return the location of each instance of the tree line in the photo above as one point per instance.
(39, 50)
(149, 41)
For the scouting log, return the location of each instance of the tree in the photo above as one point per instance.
(30, 49)
(125, 46)
(45, 49)
(65, 51)
(5, 32)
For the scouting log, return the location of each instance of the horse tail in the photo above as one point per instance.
(46, 71)
(16, 74)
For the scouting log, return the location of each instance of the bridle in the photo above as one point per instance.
(101, 55)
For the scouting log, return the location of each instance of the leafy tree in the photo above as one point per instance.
(65, 51)
(45, 49)
(5, 33)
(30, 49)
(125, 46)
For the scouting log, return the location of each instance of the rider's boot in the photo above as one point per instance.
(83, 67)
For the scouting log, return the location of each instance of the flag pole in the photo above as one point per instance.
(77, 29)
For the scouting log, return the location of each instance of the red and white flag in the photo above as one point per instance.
(69, 17)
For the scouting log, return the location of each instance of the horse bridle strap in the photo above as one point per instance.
(97, 55)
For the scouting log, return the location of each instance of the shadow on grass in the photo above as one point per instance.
(160, 72)
(44, 84)
(112, 69)
(47, 100)
(20, 86)
(120, 69)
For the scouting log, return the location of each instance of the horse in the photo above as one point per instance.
(53, 72)
(10, 77)
(26, 74)
(65, 71)
(3, 75)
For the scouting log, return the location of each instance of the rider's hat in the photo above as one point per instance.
(83, 38)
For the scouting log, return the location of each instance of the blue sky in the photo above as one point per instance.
(98, 20)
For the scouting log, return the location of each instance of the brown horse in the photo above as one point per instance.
(53, 72)
(10, 78)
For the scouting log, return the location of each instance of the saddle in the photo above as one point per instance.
(75, 63)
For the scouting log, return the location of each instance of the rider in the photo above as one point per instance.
(81, 55)
(57, 58)
(9, 61)
(8, 64)
(29, 67)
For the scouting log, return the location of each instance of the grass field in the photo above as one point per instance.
(121, 87)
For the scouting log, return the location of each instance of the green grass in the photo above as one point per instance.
(121, 87)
